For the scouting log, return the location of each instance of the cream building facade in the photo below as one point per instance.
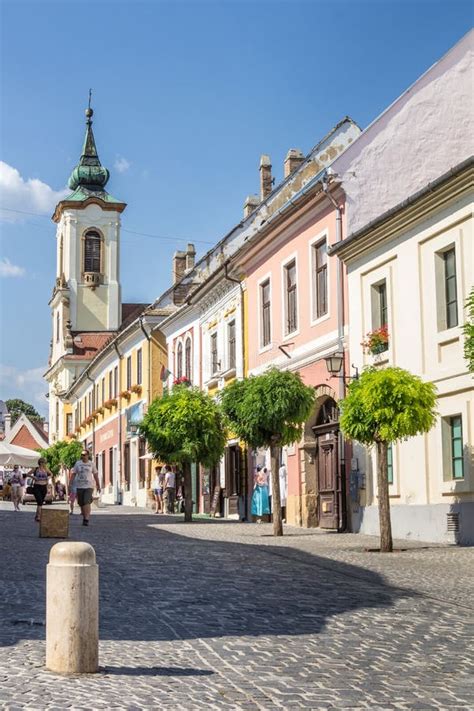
(410, 265)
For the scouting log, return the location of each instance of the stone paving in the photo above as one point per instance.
(220, 615)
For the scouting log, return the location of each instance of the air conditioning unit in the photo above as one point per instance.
(91, 279)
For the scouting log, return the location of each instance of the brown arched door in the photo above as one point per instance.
(328, 467)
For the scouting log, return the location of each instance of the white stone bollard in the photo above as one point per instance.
(72, 609)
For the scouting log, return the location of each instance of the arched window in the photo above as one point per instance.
(92, 244)
(57, 326)
(187, 359)
(179, 361)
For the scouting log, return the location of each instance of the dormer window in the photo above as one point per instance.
(92, 248)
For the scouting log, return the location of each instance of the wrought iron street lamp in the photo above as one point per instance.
(334, 364)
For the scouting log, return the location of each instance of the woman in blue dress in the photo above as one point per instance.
(260, 503)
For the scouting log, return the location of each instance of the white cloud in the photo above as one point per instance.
(28, 385)
(121, 164)
(7, 269)
(31, 195)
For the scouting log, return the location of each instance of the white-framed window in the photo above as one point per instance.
(446, 288)
(214, 353)
(265, 313)
(319, 279)
(129, 372)
(290, 296)
(231, 344)
(69, 423)
(111, 384)
(139, 366)
(453, 447)
(187, 358)
(379, 303)
(179, 360)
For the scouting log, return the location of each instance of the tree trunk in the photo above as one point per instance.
(276, 498)
(188, 493)
(386, 543)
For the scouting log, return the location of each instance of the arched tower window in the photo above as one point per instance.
(187, 359)
(179, 360)
(92, 248)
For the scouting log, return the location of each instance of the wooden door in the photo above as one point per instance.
(328, 485)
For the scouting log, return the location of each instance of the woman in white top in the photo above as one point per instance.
(17, 482)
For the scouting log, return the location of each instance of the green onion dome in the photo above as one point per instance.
(89, 173)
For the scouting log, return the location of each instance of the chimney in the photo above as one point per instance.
(190, 257)
(250, 204)
(179, 265)
(266, 180)
(7, 421)
(293, 160)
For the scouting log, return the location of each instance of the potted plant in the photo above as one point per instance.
(376, 341)
(126, 394)
(136, 389)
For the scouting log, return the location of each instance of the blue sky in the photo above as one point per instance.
(187, 95)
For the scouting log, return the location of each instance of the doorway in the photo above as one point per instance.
(330, 477)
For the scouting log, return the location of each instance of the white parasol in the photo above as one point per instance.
(12, 454)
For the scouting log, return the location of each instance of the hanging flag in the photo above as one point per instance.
(164, 374)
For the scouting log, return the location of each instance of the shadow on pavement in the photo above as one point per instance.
(155, 671)
(158, 585)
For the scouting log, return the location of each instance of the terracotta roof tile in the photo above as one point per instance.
(87, 344)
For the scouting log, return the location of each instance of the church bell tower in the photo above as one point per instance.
(86, 296)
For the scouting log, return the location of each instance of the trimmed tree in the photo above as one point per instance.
(468, 329)
(65, 453)
(383, 406)
(269, 410)
(183, 427)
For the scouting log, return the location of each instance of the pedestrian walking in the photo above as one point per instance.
(17, 483)
(158, 487)
(72, 489)
(40, 477)
(85, 475)
(169, 495)
(260, 503)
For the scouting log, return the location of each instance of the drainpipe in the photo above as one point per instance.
(340, 338)
(149, 394)
(119, 452)
(242, 332)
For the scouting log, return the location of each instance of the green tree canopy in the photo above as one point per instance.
(64, 453)
(16, 407)
(387, 405)
(469, 332)
(383, 406)
(185, 426)
(269, 410)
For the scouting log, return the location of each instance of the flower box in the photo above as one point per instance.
(376, 341)
(109, 404)
(126, 394)
(183, 380)
(136, 389)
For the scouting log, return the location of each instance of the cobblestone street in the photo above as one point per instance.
(221, 615)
